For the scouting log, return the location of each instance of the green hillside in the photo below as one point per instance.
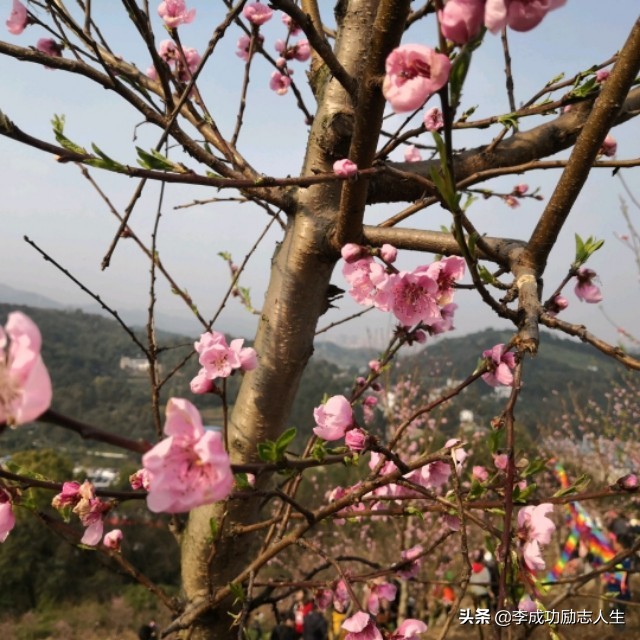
(83, 354)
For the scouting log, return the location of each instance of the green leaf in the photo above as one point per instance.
(485, 275)
(242, 481)
(585, 249)
(237, 591)
(509, 120)
(105, 162)
(319, 451)
(587, 88)
(155, 161)
(267, 451)
(414, 511)
(534, 467)
(284, 441)
(58, 130)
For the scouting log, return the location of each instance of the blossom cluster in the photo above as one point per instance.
(219, 360)
(462, 20)
(534, 529)
(82, 500)
(182, 61)
(422, 296)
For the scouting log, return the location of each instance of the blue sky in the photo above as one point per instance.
(58, 209)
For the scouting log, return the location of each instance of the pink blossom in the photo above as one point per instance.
(433, 120)
(377, 592)
(279, 83)
(602, 75)
(49, 47)
(333, 418)
(7, 517)
(368, 281)
(534, 529)
(446, 324)
(446, 272)
(341, 597)
(113, 539)
(374, 365)
(25, 386)
(388, 253)
(69, 495)
(520, 15)
(189, 467)
(501, 363)
(244, 45)
(461, 20)
(168, 51)
(294, 29)
(18, 18)
(257, 13)
(410, 629)
(453, 522)
(501, 461)
(139, 480)
(527, 604)
(352, 252)
(412, 154)
(361, 626)
(412, 296)
(220, 360)
(300, 50)
(585, 290)
(413, 73)
(557, 304)
(413, 557)
(434, 475)
(345, 168)
(174, 13)
(202, 383)
(512, 202)
(521, 189)
(609, 147)
(628, 482)
(356, 439)
(480, 473)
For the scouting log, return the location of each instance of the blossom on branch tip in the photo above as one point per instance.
(345, 168)
(190, 467)
(139, 480)
(257, 13)
(113, 539)
(412, 297)
(413, 73)
(174, 13)
(7, 517)
(501, 363)
(585, 290)
(461, 20)
(18, 18)
(25, 386)
(388, 253)
(557, 304)
(333, 418)
(520, 15)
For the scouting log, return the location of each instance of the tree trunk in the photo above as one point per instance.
(296, 297)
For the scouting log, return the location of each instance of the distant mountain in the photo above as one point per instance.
(9, 295)
(83, 354)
